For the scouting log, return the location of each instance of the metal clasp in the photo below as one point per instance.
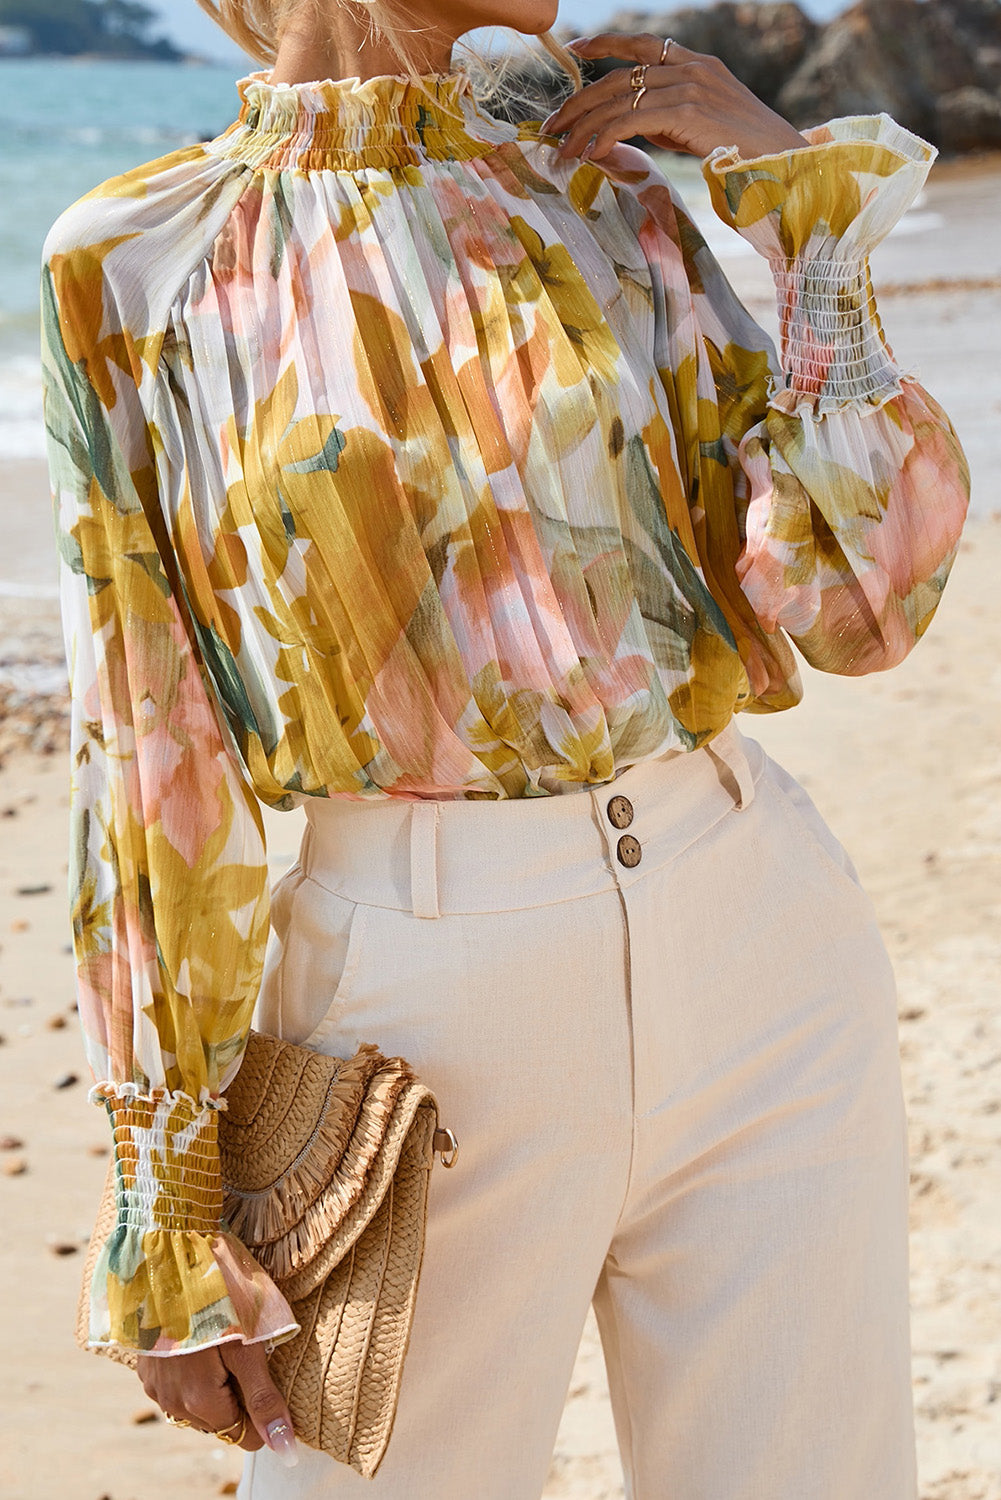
(447, 1146)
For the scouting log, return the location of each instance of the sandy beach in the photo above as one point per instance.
(906, 766)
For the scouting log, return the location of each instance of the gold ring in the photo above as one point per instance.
(637, 78)
(224, 1437)
(446, 1145)
(668, 44)
(638, 96)
(178, 1421)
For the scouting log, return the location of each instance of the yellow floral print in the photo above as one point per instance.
(393, 457)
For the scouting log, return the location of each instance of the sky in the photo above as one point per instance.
(186, 24)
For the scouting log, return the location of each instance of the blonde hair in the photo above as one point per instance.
(258, 26)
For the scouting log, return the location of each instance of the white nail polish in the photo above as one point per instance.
(281, 1440)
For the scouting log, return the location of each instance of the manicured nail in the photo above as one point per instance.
(585, 155)
(281, 1439)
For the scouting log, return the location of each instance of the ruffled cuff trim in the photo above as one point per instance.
(836, 197)
(173, 1291)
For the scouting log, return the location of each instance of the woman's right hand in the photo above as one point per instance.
(212, 1388)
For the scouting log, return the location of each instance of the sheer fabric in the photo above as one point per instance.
(393, 457)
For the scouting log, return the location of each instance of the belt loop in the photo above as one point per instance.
(729, 751)
(424, 858)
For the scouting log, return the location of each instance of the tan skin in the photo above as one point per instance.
(692, 104)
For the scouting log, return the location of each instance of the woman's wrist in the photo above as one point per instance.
(766, 142)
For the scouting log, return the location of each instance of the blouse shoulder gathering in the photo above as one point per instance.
(114, 260)
(391, 456)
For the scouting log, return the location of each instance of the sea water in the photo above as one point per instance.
(66, 126)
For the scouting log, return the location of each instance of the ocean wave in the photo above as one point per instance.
(97, 136)
(22, 427)
(12, 589)
(34, 678)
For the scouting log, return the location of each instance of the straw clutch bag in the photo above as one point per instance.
(325, 1167)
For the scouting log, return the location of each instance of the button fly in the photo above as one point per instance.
(620, 812)
(629, 851)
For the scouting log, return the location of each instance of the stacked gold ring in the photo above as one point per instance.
(637, 82)
(224, 1437)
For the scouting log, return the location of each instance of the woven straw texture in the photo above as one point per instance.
(325, 1165)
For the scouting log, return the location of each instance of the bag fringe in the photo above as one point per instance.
(287, 1221)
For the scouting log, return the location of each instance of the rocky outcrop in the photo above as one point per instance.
(908, 57)
(935, 65)
(969, 119)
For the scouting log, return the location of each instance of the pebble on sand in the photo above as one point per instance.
(10, 1143)
(15, 1166)
(145, 1414)
(66, 1080)
(63, 1247)
(56, 1022)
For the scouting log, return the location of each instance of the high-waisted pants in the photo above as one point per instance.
(676, 1086)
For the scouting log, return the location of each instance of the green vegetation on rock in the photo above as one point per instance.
(106, 28)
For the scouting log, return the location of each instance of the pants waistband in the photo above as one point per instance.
(437, 858)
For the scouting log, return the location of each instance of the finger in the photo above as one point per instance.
(658, 113)
(262, 1399)
(617, 84)
(194, 1389)
(213, 1410)
(641, 46)
(611, 86)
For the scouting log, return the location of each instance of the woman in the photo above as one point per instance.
(424, 471)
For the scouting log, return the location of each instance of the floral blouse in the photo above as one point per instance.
(392, 456)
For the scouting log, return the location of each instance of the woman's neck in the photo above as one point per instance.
(341, 46)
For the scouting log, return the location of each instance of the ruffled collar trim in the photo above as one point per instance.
(388, 120)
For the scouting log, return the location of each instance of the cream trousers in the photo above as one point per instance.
(676, 1085)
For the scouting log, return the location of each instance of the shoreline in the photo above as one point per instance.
(106, 57)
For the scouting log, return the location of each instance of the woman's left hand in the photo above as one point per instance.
(691, 102)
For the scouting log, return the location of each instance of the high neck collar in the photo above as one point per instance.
(385, 121)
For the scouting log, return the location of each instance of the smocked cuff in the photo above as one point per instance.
(832, 346)
(170, 1277)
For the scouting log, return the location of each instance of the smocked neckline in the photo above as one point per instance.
(384, 121)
